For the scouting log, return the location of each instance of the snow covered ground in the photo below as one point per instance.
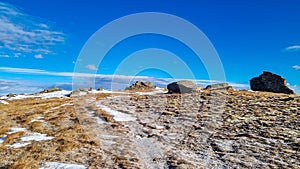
(58, 165)
(57, 94)
(25, 140)
(3, 102)
(118, 116)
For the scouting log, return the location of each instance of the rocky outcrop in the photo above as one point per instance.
(80, 92)
(50, 90)
(219, 86)
(100, 89)
(270, 82)
(11, 95)
(183, 86)
(141, 86)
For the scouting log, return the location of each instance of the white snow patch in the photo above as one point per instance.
(37, 119)
(19, 97)
(92, 115)
(58, 165)
(36, 137)
(25, 140)
(12, 130)
(56, 94)
(118, 116)
(2, 139)
(16, 129)
(18, 145)
(3, 102)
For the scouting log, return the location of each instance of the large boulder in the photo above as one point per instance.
(183, 86)
(219, 86)
(270, 82)
(141, 86)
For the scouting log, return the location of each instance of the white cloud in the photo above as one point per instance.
(38, 56)
(293, 48)
(23, 33)
(109, 82)
(296, 67)
(4, 56)
(91, 67)
(295, 88)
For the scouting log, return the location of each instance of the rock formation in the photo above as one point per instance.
(80, 92)
(141, 86)
(183, 86)
(270, 82)
(50, 90)
(11, 95)
(219, 86)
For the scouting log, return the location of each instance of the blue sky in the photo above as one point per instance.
(41, 40)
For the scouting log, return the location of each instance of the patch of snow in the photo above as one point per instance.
(3, 97)
(2, 139)
(25, 140)
(92, 114)
(16, 129)
(3, 102)
(18, 145)
(37, 119)
(57, 94)
(12, 130)
(58, 165)
(118, 116)
(21, 96)
(36, 137)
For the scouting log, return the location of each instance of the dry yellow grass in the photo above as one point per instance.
(12, 138)
(54, 117)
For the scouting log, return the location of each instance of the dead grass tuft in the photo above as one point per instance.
(37, 126)
(4, 129)
(105, 116)
(12, 138)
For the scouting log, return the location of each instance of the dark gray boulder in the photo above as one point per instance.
(183, 86)
(270, 82)
(219, 86)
